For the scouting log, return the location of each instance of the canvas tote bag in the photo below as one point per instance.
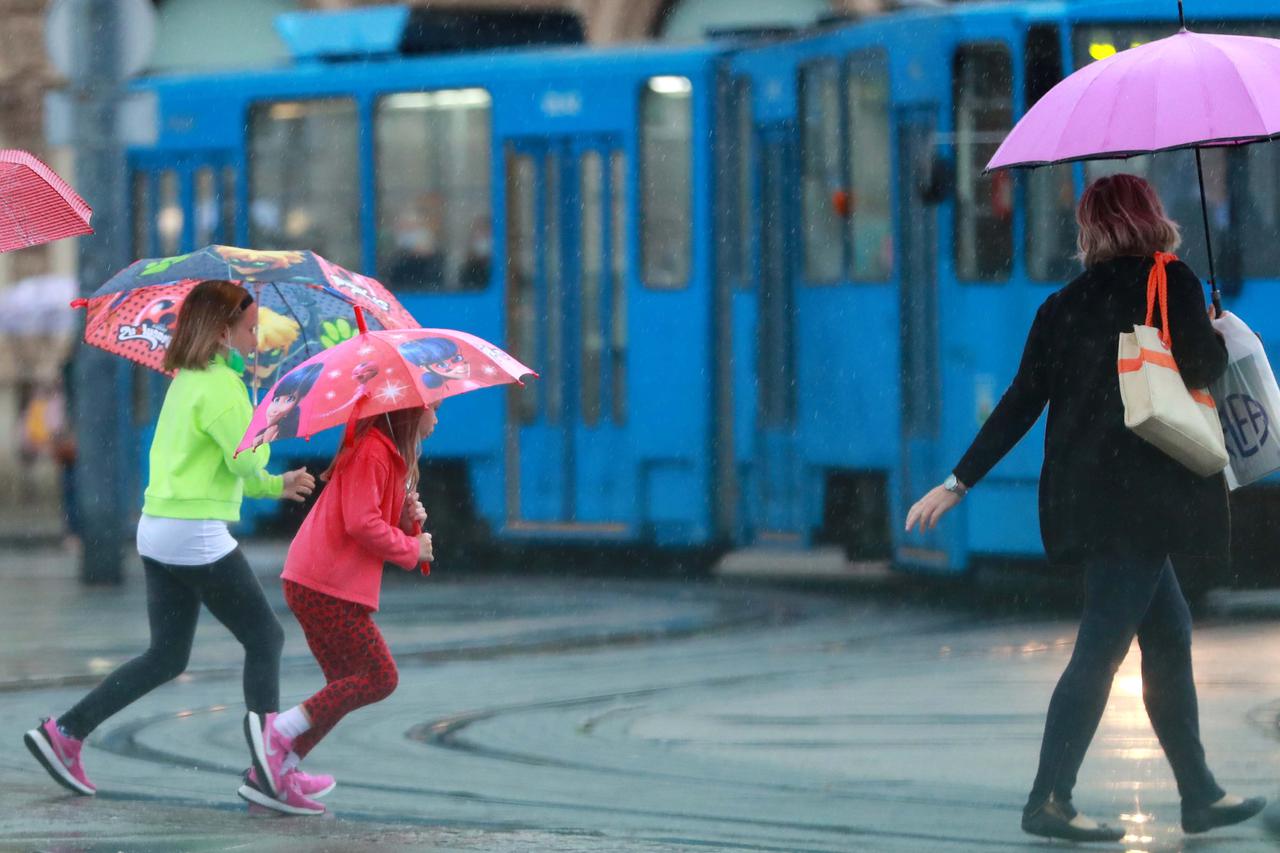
(1158, 406)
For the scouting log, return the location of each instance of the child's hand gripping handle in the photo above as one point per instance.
(424, 548)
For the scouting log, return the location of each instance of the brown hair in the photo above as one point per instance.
(209, 310)
(402, 426)
(1122, 215)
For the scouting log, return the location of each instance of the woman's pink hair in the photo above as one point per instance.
(1122, 215)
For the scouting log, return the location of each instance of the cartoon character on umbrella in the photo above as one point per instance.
(439, 359)
(276, 336)
(249, 261)
(283, 410)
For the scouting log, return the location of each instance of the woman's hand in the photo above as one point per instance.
(930, 508)
(298, 484)
(425, 554)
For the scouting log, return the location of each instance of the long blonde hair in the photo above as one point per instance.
(1122, 215)
(210, 309)
(402, 426)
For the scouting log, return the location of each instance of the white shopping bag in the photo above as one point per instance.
(1248, 404)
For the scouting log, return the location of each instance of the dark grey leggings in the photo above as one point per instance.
(174, 594)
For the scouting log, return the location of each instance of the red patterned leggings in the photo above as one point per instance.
(351, 652)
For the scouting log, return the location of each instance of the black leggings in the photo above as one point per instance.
(174, 594)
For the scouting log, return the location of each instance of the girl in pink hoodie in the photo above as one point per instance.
(368, 515)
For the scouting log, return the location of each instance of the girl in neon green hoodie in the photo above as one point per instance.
(190, 558)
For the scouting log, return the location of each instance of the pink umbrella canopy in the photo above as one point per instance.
(37, 206)
(376, 372)
(1187, 90)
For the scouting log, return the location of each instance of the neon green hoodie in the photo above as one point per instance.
(194, 470)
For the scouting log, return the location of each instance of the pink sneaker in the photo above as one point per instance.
(291, 800)
(268, 748)
(315, 787)
(60, 755)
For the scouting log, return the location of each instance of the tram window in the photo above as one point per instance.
(666, 180)
(618, 287)
(871, 202)
(303, 178)
(434, 210)
(522, 307)
(1050, 191)
(169, 218)
(206, 210)
(552, 271)
(141, 191)
(822, 154)
(591, 180)
(982, 91)
(733, 194)
(744, 158)
(228, 206)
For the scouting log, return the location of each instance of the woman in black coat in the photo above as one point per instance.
(1113, 504)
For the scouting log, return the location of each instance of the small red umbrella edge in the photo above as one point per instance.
(36, 205)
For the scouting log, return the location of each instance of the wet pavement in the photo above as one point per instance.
(575, 714)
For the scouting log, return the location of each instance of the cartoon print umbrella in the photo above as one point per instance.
(1190, 90)
(376, 372)
(303, 304)
(37, 206)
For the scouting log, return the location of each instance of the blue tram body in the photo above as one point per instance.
(769, 291)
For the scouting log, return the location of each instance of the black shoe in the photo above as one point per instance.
(1053, 820)
(1206, 818)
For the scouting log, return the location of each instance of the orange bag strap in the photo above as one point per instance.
(1158, 291)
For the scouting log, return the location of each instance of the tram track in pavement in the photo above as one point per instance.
(448, 733)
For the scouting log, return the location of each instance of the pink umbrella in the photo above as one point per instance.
(1190, 90)
(376, 372)
(37, 206)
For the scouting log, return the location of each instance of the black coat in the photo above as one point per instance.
(1103, 489)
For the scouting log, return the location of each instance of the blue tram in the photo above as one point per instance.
(769, 290)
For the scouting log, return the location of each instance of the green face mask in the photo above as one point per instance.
(235, 360)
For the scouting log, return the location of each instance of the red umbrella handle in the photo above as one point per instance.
(360, 324)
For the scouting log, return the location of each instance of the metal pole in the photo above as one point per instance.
(103, 390)
(1208, 240)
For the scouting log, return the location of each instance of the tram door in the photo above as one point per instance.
(919, 381)
(777, 489)
(177, 204)
(566, 460)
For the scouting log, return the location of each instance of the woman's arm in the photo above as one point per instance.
(1018, 409)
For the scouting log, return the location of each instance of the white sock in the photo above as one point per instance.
(291, 762)
(292, 722)
(1082, 822)
(1228, 801)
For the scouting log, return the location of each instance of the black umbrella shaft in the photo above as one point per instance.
(1182, 21)
(1208, 240)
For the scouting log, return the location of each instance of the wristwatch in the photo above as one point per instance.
(951, 484)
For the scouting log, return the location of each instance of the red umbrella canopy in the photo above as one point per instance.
(37, 206)
(376, 372)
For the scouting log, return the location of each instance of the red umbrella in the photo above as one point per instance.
(376, 372)
(37, 206)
